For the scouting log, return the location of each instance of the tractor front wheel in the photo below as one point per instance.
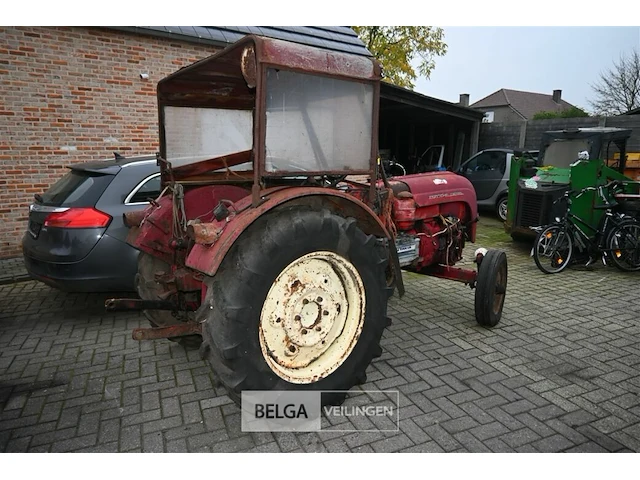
(299, 303)
(491, 288)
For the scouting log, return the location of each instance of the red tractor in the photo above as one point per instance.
(277, 240)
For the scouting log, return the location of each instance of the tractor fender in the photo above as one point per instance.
(207, 258)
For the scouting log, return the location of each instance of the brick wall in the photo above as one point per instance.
(71, 95)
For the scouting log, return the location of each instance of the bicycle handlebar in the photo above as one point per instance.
(600, 188)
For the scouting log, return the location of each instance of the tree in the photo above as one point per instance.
(396, 47)
(618, 89)
(568, 113)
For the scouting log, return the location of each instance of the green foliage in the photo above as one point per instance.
(396, 47)
(572, 112)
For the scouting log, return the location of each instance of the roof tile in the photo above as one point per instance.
(342, 39)
(525, 103)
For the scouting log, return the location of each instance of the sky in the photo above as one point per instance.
(482, 60)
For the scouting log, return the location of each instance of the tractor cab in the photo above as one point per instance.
(265, 112)
(569, 159)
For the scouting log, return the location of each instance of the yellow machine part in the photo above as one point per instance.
(632, 166)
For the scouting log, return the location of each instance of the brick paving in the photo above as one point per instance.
(12, 270)
(560, 373)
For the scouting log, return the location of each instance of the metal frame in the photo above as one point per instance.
(271, 53)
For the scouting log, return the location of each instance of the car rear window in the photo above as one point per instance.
(77, 189)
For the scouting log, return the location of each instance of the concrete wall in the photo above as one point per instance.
(499, 135)
(504, 114)
(512, 135)
(72, 95)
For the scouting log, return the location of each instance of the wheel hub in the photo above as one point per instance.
(316, 318)
(312, 317)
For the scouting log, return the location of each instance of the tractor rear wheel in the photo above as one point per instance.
(299, 303)
(149, 289)
(491, 288)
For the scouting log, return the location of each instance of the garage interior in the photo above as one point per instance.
(410, 123)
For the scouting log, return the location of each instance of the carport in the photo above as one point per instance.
(411, 122)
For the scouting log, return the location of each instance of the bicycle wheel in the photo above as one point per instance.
(552, 249)
(623, 245)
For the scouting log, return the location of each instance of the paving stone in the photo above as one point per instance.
(490, 430)
(470, 443)
(609, 424)
(75, 443)
(588, 447)
(520, 437)
(459, 424)
(554, 443)
(442, 438)
(271, 447)
(392, 444)
(72, 379)
(609, 443)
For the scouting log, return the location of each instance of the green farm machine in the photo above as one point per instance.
(568, 160)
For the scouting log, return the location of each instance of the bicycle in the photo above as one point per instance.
(616, 237)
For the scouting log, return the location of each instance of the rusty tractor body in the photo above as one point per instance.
(278, 240)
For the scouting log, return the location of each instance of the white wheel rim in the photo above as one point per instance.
(312, 317)
(503, 209)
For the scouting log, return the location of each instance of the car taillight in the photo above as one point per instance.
(78, 218)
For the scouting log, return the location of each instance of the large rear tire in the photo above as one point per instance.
(299, 303)
(149, 289)
(553, 249)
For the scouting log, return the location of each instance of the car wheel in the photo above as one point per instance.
(501, 208)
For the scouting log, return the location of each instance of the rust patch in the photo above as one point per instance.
(204, 233)
(248, 66)
(295, 286)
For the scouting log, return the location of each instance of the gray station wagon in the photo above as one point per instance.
(76, 239)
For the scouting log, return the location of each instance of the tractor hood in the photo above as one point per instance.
(432, 188)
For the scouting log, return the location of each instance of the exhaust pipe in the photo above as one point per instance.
(133, 219)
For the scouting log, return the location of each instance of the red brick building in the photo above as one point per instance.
(71, 95)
